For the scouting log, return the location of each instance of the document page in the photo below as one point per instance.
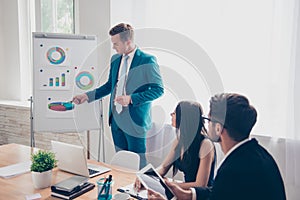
(129, 189)
(15, 169)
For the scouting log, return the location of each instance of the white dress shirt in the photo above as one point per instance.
(129, 61)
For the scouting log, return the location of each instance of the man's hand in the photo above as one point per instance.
(155, 195)
(79, 99)
(179, 192)
(123, 100)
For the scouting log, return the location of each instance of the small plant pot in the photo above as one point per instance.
(41, 179)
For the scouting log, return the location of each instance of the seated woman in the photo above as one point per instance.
(192, 153)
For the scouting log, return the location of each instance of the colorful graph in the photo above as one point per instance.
(56, 55)
(57, 82)
(84, 80)
(61, 106)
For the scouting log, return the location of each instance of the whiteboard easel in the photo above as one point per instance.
(64, 65)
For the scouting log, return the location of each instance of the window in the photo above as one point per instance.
(57, 16)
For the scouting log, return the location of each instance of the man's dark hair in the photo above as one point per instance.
(235, 113)
(125, 31)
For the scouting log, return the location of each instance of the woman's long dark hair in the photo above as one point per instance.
(189, 125)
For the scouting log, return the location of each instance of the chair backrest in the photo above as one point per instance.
(160, 140)
(126, 159)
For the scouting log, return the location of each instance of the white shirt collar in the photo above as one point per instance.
(232, 149)
(129, 61)
(131, 54)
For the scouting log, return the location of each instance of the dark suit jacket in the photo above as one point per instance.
(249, 172)
(144, 84)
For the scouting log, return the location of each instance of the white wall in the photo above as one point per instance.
(94, 19)
(297, 80)
(9, 51)
(250, 43)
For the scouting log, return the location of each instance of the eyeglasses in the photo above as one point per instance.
(207, 118)
(214, 121)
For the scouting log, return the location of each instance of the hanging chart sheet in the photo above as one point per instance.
(64, 65)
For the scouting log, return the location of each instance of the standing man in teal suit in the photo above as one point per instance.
(134, 82)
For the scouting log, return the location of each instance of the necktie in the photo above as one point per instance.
(120, 90)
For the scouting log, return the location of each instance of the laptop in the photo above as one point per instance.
(71, 158)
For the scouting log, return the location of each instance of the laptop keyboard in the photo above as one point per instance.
(91, 171)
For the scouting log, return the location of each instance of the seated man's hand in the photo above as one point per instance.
(152, 195)
(79, 99)
(179, 192)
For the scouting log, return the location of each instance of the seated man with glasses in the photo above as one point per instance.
(247, 171)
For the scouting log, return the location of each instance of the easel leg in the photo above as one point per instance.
(101, 147)
(88, 144)
(32, 140)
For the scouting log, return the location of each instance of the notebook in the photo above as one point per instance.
(74, 183)
(71, 158)
(72, 195)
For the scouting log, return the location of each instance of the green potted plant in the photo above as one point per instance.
(41, 168)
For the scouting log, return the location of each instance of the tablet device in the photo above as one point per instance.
(151, 179)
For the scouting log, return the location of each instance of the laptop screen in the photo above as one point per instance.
(71, 158)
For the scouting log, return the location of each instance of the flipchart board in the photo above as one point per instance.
(64, 65)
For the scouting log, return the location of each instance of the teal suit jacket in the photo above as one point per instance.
(144, 84)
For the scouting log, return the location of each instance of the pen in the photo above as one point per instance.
(132, 195)
(103, 187)
(107, 186)
(79, 187)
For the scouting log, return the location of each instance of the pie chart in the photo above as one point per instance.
(61, 106)
(56, 55)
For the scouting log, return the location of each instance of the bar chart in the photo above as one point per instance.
(55, 79)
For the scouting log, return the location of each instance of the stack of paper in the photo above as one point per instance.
(14, 170)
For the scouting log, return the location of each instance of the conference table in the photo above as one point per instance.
(19, 186)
